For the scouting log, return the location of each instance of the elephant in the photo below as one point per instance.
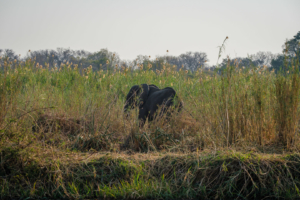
(148, 97)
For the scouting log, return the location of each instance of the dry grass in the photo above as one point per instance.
(63, 134)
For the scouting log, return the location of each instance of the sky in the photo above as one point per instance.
(138, 27)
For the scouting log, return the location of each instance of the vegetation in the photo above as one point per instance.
(63, 132)
(192, 61)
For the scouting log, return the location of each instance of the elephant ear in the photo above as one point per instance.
(130, 98)
(144, 94)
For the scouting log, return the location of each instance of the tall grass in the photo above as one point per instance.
(238, 107)
(54, 123)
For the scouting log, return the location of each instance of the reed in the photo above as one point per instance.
(63, 133)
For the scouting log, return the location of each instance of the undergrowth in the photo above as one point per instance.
(63, 133)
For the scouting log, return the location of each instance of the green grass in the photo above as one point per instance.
(166, 175)
(63, 134)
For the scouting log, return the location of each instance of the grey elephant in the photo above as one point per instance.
(148, 98)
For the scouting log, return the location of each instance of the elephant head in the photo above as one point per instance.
(137, 96)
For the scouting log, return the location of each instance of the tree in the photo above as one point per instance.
(99, 58)
(193, 60)
(263, 58)
(58, 57)
(189, 60)
(83, 58)
(259, 59)
(292, 46)
(237, 62)
(277, 63)
(141, 59)
(291, 52)
(9, 53)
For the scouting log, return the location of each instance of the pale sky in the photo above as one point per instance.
(134, 27)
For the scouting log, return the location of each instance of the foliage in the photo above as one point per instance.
(63, 133)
